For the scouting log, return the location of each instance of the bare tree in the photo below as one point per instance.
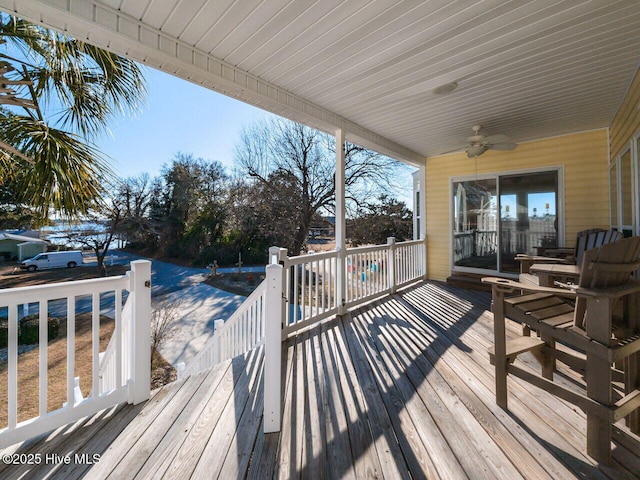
(163, 315)
(96, 238)
(134, 197)
(281, 149)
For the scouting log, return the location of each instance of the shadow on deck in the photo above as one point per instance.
(400, 388)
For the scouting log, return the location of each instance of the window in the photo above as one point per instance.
(621, 191)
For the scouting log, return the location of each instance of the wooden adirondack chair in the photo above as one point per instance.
(585, 240)
(599, 317)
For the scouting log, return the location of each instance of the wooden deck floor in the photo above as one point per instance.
(401, 388)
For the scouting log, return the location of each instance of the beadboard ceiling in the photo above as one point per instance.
(527, 69)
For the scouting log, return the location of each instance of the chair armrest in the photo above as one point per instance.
(521, 257)
(559, 252)
(631, 286)
(508, 286)
(527, 260)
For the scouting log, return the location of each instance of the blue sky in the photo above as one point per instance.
(178, 116)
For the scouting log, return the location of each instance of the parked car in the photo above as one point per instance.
(46, 260)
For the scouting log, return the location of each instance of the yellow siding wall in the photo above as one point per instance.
(627, 119)
(584, 157)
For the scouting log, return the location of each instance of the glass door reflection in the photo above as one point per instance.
(475, 225)
(528, 216)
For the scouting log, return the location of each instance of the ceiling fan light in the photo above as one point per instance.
(476, 150)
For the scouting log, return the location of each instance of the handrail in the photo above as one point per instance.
(51, 291)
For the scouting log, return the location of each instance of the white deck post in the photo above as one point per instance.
(141, 334)
(273, 349)
(423, 214)
(340, 223)
(217, 351)
(420, 213)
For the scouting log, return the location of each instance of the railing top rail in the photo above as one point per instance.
(409, 242)
(367, 248)
(310, 257)
(53, 291)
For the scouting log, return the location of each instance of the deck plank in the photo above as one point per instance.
(339, 459)
(313, 448)
(469, 450)
(265, 450)
(134, 459)
(558, 424)
(398, 388)
(387, 448)
(520, 448)
(211, 462)
(366, 462)
(286, 465)
(414, 451)
(157, 463)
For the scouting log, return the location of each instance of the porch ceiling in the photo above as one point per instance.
(528, 69)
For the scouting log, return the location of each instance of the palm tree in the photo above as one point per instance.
(56, 95)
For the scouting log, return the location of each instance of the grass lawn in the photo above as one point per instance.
(28, 372)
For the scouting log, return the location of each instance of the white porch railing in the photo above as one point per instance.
(299, 292)
(124, 373)
(243, 331)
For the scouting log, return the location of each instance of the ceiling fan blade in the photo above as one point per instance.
(504, 146)
(499, 138)
(476, 139)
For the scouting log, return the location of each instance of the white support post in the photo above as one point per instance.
(341, 228)
(273, 349)
(391, 262)
(277, 255)
(422, 205)
(141, 334)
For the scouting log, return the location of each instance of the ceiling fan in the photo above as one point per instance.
(478, 144)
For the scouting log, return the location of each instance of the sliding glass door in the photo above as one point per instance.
(497, 217)
(475, 226)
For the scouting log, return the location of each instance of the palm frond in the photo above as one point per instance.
(66, 175)
(85, 84)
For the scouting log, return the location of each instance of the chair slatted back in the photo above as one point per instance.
(609, 265)
(594, 238)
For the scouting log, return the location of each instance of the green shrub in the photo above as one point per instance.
(30, 329)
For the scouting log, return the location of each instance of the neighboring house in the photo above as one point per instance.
(324, 226)
(18, 247)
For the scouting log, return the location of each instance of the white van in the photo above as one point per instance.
(42, 261)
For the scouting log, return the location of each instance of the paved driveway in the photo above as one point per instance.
(199, 305)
